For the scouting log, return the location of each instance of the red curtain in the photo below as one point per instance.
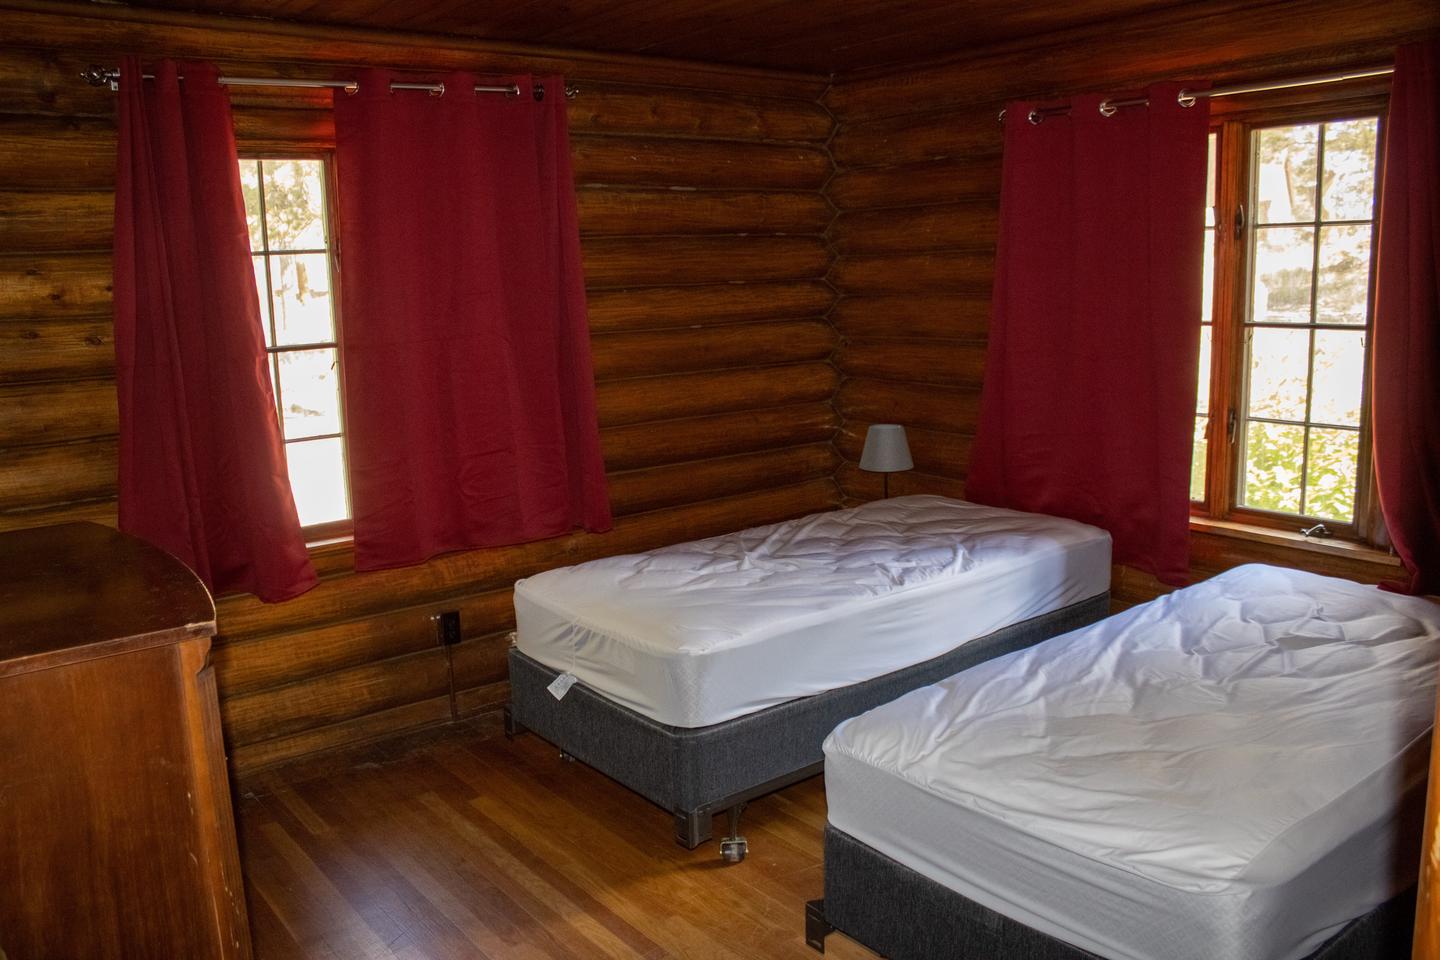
(1089, 395)
(202, 470)
(1406, 351)
(469, 391)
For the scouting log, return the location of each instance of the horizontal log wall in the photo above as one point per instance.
(703, 231)
(914, 243)
(917, 184)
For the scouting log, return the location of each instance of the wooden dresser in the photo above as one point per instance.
(116, 832)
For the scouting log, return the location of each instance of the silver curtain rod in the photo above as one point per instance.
(100, 77)
(1187, 98)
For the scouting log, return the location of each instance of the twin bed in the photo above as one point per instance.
(709, 673)
(1234, 771)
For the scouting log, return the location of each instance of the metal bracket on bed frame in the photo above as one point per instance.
(817, 928)
(513, 727)
(692, 828)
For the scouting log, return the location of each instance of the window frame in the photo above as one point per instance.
(317, 533)
(1233, 121)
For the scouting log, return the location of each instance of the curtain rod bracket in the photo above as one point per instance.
(98, 76)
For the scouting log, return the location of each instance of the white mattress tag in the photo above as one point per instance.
(561, 685)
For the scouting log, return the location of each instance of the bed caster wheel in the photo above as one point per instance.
(566, 758)
(733, 849)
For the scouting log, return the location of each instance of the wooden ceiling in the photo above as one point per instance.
(813, 36)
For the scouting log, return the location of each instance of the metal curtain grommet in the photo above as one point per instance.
(538, 92)
(1034, 117)
(1107, 109)
(1185, 98)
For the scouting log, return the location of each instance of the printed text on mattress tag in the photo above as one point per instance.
(561, 685)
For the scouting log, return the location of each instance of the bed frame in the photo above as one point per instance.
(697, 772)
(904, 915)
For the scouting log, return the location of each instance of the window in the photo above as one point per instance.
(287, 206)
(1281, 415)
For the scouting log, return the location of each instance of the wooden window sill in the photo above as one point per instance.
(332, 555)
(1295, 540)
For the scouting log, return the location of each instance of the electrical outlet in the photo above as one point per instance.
(447, 626)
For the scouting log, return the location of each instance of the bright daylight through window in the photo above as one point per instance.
(286, 206)
(1301, 324)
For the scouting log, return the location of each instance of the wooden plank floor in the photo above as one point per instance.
(465, 845)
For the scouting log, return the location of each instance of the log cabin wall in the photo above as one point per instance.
(917, 155)
(702, 219)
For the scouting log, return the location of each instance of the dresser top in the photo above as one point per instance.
(80, 591)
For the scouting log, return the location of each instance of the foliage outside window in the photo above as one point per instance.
(1284, 345)
(286, 206)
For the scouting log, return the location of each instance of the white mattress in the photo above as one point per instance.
(1221, 774)
(702, 632)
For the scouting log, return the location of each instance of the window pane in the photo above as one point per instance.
(1207, 290)
(295, 204)
(1279, 372)
(1284, 258)
(1339, 377)
(1349, 192)
(1197, 460)
(275, 389)
(1202, 389)
(1199, 445)
(1344, 274)
(309, 392)
(1286, 159)
(250, 190)
(264, 297)
(1274, 454)
(317, 477)
(301, 283)
(1331, 474)
(1210, 181)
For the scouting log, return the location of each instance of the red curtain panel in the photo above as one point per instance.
(1089, 395)
(1406, 351)
(469, 392)
(202, 472)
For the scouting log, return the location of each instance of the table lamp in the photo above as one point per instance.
(886, 452)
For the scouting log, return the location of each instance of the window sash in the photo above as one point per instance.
(330, 529)
(1234, 123)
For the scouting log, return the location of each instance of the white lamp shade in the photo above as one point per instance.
(886, 449)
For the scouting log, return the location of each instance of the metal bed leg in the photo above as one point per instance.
(733, 846)
(817, 928)
(692, 828)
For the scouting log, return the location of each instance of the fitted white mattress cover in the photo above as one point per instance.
(698, 633)
(1232, 772)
